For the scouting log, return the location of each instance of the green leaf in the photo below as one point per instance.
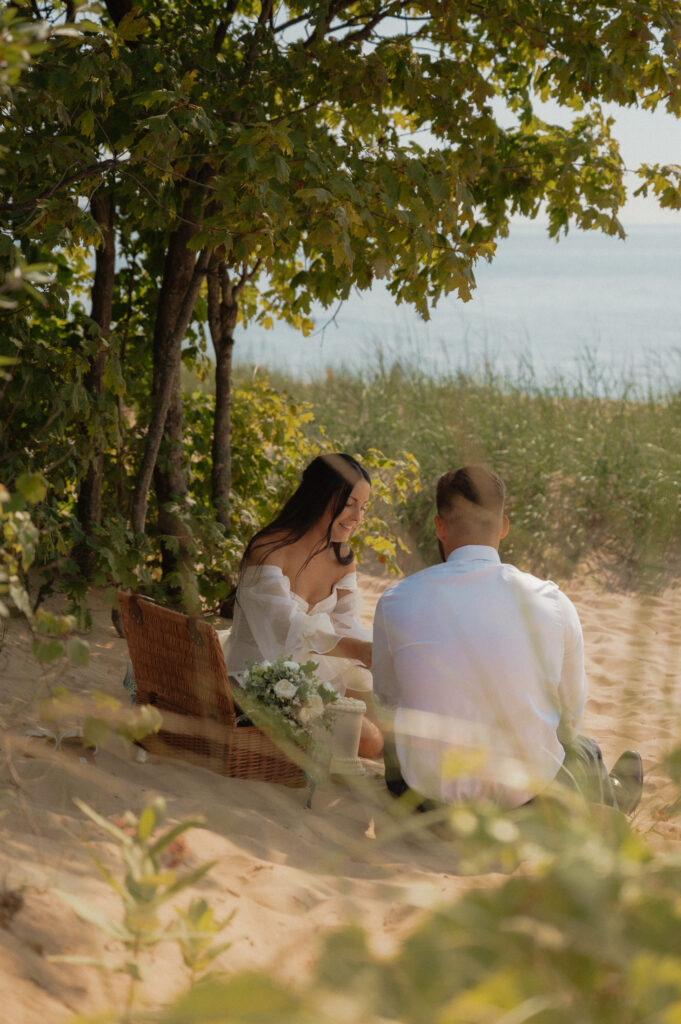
(134, 970)
(47, 650)
(32, 486)
(78, 651)
(168, 837)
(86, 123)
(147, 822)
(20, 596)
(132, 27)
(140, 722)
(187, 880)
(84, 961)
(89, 913)
(249, 998)
(95, 731)
(108, 826)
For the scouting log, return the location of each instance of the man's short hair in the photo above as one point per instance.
(476, 484)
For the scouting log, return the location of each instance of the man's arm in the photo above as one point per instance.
(386, 695)
(382, 668)
(572, 686)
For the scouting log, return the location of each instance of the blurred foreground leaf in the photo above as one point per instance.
(249, 998)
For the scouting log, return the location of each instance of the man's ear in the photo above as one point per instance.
(440, 528)
(505, 527)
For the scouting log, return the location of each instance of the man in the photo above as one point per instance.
(481, 668)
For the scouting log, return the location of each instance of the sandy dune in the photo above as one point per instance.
(290, 873)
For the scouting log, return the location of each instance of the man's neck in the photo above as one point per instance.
(471, 542)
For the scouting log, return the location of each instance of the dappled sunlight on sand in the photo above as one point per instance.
(291, 874)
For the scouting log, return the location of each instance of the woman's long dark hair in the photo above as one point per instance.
(328, 480)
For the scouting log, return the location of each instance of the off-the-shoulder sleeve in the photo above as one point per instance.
(346, 616)
(277, 622)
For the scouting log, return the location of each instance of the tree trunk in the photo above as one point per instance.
(163, 458)
(223, 308)
(181, 284)
(89, 504)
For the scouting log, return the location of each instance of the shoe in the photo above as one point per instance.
(626, 777)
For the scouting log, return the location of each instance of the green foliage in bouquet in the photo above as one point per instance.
(286, 698)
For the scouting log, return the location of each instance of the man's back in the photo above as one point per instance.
(483, 664)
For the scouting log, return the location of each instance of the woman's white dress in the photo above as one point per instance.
(270, 619)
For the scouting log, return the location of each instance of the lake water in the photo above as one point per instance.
(589, 309)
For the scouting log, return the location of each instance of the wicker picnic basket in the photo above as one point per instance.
(179, 668)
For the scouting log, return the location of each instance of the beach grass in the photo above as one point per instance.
(593, 480)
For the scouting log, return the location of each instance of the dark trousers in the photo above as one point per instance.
(582, 770)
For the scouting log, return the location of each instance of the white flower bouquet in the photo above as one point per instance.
(287, 697)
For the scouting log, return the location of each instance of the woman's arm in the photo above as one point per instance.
(354, 648)
(355, 642)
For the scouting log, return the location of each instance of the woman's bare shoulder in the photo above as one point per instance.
(345, 568)
(264, 551)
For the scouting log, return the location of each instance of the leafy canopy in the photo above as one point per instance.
(330, 143)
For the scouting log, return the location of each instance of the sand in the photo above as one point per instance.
(288, 874)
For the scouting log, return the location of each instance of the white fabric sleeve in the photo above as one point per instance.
(278, 624)
(346, 616)
(572, 686)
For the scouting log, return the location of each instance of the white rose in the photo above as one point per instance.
(315, 705)
(265, 664)
(293, 665)
(285, 688)
(305, 716)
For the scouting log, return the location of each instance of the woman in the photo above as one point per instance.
(297, 592)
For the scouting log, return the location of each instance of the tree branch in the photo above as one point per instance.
(86, 172)
(265, 16)
(363, 34)
(246, 276)
(290, 23)
(332, 11)
(223, 25)
(335, 8)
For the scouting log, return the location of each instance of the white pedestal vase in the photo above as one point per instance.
(335, 750)
(346, 716)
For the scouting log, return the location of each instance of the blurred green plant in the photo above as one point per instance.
(194, 931)
(19, 541)
(582, 923)
(586, 929)
(148, 884)
(92, 717)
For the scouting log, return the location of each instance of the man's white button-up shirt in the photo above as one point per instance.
(484, 667)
